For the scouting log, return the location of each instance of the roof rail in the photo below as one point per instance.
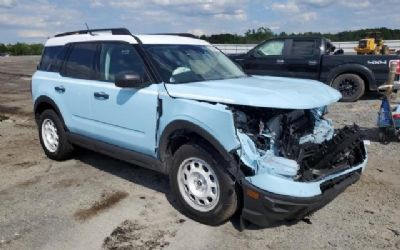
(177, 34)
(114, 31)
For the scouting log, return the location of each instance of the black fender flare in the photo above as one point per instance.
(47, 100)
(361, 70)
(190, 127)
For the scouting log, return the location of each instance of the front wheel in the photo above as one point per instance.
(351, 86)
(202, 186)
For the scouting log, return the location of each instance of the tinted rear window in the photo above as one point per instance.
(303, 48)
(80, 61)
(52, 58)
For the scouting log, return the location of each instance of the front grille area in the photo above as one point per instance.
(335, 181)
(343, 151)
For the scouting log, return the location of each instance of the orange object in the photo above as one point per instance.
(253, 194)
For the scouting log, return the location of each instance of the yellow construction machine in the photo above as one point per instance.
(372, 44)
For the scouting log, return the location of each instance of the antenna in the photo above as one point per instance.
(87, 27)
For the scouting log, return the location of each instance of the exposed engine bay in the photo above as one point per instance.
(297, 144)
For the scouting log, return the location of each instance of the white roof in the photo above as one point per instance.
(169, 39)
(146, 39)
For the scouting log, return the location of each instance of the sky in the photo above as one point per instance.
(36, 20)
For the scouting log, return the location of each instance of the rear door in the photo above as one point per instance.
(303, 58)
(266, 59)
(75, 85)
(125, 117)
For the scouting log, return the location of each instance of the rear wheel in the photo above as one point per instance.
(53, 137)
(351, 86)
(204, 189)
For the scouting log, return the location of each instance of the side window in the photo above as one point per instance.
(270, 48)
(52, 58)
(80, 61)
(303, 48)
(117, 58)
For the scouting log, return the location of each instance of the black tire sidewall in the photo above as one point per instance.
(227, 203)
(357, 80)
(64, 149)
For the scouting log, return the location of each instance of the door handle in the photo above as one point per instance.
(59, 89)
(280, 61)
(100, 96)
(312, 62)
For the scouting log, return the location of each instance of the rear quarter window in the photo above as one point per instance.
(80, 61)
(52, 58)
(303, 48)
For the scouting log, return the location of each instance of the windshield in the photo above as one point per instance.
(192, 63)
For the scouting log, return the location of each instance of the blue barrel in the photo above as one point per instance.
(385, 114)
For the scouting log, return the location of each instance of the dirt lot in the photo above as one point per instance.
(94, 202)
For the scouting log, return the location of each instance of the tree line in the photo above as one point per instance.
(250, 36)
(263, 33)
(19, 49)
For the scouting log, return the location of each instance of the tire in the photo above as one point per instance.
(217, 206)
(351, 86)
(50, 124)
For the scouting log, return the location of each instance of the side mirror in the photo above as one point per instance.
(128, 80)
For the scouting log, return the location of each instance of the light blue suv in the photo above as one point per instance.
(230, 142)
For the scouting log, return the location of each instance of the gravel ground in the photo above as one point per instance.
(95, 202)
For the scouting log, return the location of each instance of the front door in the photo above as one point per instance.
(125, 117)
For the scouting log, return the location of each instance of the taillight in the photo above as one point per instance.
(396, 116)
(397, 62)
(398, 68)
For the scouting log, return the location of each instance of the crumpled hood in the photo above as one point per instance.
(259, 91)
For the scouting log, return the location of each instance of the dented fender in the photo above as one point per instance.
(213, 119)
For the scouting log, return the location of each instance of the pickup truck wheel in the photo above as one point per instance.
(53, 137)
(204, 190)
(351, 86)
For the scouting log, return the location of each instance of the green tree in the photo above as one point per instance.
(19, 49)
(263, 33)
(3, 48)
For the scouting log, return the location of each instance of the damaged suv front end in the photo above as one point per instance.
(293, 161)
(290, 161)
(280, 149)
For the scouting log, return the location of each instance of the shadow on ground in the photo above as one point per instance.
(132, 173)
(145, 177)
(129, 172)
(371, 96)
(372, 134)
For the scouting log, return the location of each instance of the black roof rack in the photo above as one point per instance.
(114, 31)
(177, 34)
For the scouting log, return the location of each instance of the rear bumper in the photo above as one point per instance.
(270, 208)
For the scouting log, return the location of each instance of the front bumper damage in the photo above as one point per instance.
(267, 208)
(294, 163)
